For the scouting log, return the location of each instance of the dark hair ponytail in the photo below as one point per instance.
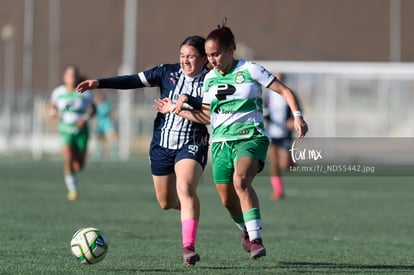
(223, 35)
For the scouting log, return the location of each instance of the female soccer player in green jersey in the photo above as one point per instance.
(232, 102)
(74, 111)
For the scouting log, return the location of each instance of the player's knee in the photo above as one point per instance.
(241, 183)
(186, 193)
(77, 166)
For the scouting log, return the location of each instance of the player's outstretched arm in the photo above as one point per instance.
(299, 123)
(194, 102)
(87, 85)
(199, 116)
(117, 82)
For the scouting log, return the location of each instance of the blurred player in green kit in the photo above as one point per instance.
(74, 110)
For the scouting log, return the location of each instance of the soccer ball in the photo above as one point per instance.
(89, 245)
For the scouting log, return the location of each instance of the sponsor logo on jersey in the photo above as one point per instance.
(223, 90)
(223, 112)
(174, 76)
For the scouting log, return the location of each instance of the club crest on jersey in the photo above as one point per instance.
(239, 78)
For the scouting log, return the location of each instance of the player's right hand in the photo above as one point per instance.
(301, 126)
(87, 85)
(180, 103)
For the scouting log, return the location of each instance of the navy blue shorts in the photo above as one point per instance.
(285, 142)
(163, 160)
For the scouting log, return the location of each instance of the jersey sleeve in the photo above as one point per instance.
(121, 82)
(194, 101)
(149, 78)
(157, 75)
(206, 93)
(206, 99)
(261, 75)
(55, 95)
(266, 103)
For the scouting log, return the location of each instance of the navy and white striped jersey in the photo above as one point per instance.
(170, 130)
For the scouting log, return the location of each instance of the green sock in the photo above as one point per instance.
(239, 221)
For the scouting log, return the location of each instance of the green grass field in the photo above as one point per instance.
(325, 224)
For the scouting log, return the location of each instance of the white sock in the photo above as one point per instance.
(71, 182)
(253, 228)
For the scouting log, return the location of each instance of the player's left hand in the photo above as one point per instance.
(87, 85)
(300, 126)
(164, 105)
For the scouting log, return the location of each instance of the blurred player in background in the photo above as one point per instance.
(74, 111)
(105, 128)
(179, 147)
(232, 101)
(280, 126)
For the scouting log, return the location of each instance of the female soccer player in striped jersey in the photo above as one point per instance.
(232, 101)
(74, 111)
(179, 147)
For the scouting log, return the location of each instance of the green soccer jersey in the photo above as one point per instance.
(72, 106)
(235, 99)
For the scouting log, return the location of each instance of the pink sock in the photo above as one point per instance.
(277, 184)
(189, 232)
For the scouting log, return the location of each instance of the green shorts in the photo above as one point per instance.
(226, 154)
(78, 140)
